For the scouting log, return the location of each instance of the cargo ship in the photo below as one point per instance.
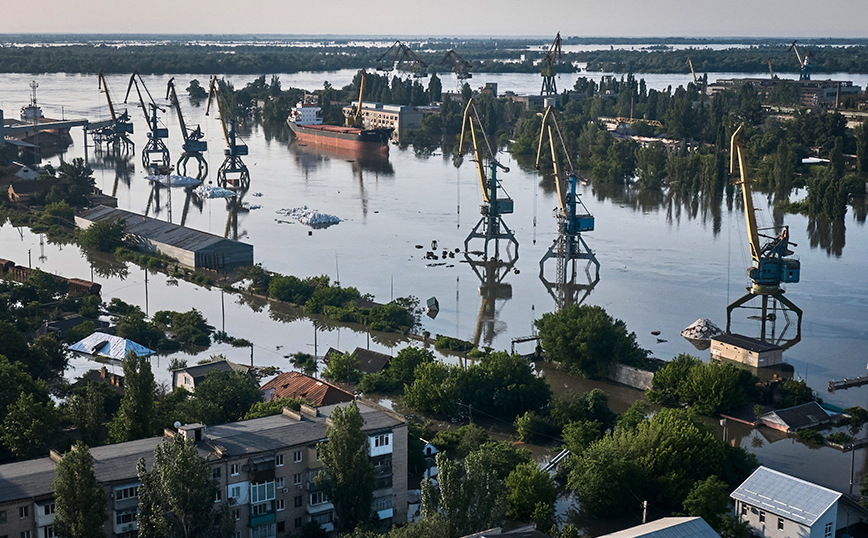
(305, 121)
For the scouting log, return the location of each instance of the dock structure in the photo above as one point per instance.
(192, 248)
(848, 383)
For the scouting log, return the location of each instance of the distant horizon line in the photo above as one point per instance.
(419, 36)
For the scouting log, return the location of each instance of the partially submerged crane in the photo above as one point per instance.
(549, 87)
(155, 154)
(573, 218)
(401, 57)
(233, 173)
(460, 66)
(772, 265)
(492, 209)
(193, 146)
(804, 66)
(115, 135)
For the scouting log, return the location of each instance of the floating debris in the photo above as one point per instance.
(700, 333)
(655, 333)
(173, 180)
(256, 194)
(310, 217)
(207, 191)
(251, 207)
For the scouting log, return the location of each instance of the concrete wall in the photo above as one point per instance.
(631, 376)
(399, 473)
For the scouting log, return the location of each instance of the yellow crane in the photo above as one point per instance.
(771, 263)
(233, 173)
(771, 72)
(690, 63)
(492, 209)
(354, 118)
(804, 59)
(573, 218)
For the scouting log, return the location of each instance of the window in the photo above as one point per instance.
(23, 512)
(236, 515)
(298, 523)
(281, 526)
(382, 503)
(780, 523)
(25, 534)
(261, 492)
(279, 482)
(278, 460)
(381, 440)
(259, 509)
(233, 469)
(828, 530)
(298, 501)
(762, 516)
(237, 534)
(322, 519)
(215, 474)
(2, 516)
(49, 532)
(218, 497)
(235, 491)
(127, 493)
(743, 509)
(296, 456)
(127, 515)
(296, 479)
(318, 497)
(49, 509)
(281, 505)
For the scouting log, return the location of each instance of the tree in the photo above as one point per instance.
(528, 485)
(708, 499)
(305, 362)
(80, 501)
(134, 419)
(176, 499)
(343, 368)
(347, 477)
(587, 340)
(87, 410)
(80, 178)
(103, 235)
(223, 397)
(27, 426)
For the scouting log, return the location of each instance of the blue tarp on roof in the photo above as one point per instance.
(109, 345)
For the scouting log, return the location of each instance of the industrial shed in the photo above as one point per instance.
(192, 248)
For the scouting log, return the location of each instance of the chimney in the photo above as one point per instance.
(103, 373)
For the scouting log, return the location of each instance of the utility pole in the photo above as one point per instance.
(644, 511)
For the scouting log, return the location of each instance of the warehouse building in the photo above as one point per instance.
(192, 248)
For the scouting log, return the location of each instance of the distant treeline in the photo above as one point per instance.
(486, 56)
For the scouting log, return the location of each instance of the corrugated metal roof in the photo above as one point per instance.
(156, 230)
(109, 345)
(315, 391)
(669, 527)
(786, 496)
(800, 416)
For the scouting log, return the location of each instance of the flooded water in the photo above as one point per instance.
(664, 261)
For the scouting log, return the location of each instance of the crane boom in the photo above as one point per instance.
(737, 153)
(550, 125)
(104, 86)
(173, 98)
(212, 94)
(549, 87)
(690, 63)
(358, 112)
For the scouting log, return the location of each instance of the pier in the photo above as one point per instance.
(848, 383)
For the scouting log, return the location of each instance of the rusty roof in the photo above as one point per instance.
(315, 391)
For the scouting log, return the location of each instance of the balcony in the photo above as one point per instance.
(264, 519)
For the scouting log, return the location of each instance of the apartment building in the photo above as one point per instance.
(265, 468)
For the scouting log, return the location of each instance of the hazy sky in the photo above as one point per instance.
(773, 18)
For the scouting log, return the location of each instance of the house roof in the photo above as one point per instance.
(109, 345)
(798, 417)
(669, 527)
(745, 342)
(298, 385)
(199, 371)
(786, 496)
(70, 321)
(370, 362)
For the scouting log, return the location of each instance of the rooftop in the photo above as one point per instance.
(201, 370)
(786, 496)
(745, 342)
(298, 385)
(669, 527)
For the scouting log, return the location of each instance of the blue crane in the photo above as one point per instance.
(233, 173)
(155, 154)
(193, 146)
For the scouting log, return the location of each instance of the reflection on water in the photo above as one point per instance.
(492, 288)
(827, 235)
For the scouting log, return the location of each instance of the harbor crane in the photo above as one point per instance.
(401, 57)
(771, 72)
(549, 87)
(772, 265)
(573, 218)
(692, 72)
(460, 66)
(492, 209)
(115, 134)
(193, 146)
(155, 154)
(804, 59)
(354, 118)
(233, 173)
